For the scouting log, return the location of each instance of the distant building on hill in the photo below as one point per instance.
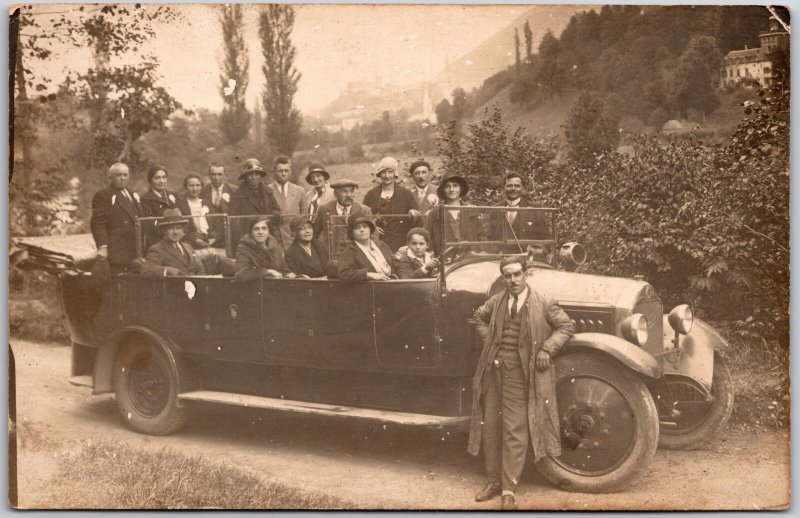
(754, 64)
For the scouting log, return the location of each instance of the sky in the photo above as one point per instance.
(336, 44)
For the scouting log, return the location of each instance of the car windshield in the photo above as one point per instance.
(499, 230)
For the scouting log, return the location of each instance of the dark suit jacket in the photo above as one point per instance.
(217, 225)
(407, 268)
(354, 265)
(154, 206)
(525, 226)
(224, 206)
(321, 219)
(300, 263)
(422, 203)
(113, 224)
(164, 254)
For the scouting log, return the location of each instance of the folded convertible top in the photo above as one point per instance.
(74, 253)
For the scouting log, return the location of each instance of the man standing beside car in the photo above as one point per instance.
(113, 221)
(514, 393)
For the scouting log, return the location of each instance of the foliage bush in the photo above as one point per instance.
(704, 224)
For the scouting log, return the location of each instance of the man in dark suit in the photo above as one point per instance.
(171, 256)
(513, 391)
(344, 191)
(517, 225)
(424, 192)
(113, 221)
(216, 195)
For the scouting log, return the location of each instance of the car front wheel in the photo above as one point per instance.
(146, 389)
(609, 425)
(697, 418)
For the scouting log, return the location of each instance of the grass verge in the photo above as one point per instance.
(124, 477)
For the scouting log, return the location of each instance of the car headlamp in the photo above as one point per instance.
(682, 319)
(634, 329)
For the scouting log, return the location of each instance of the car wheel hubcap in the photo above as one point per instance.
(598, 425)
(149, 389)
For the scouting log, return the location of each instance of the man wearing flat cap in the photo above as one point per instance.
(320, 193)
(424, 191)
(394, 200)
(253, 197)
(171, 256)
(344, 205)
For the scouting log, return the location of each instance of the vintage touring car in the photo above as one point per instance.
(631, 378)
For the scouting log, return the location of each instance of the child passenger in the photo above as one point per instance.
(413, 261)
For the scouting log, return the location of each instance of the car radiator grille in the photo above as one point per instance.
(591, 320)
(654, 313)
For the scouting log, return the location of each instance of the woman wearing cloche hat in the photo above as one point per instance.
(458, 225)
(390, 198)
(364, 259)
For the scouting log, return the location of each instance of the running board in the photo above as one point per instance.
(388, 416)
(82, 381)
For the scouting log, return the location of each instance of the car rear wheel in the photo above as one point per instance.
(146, 389)
(698, 418)
(609, 425)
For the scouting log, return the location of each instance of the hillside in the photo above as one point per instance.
(646, 65)
(497, 52)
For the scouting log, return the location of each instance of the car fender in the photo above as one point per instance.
(104, 364)
(630, 355)
(697, 351)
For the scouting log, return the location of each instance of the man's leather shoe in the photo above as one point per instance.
(491, 490)
(509, 503)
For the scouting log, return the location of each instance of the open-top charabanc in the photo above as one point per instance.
(402, 351)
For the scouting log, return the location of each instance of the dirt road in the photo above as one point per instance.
(370, 465)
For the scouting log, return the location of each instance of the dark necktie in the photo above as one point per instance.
(180, 249)
(514, 306)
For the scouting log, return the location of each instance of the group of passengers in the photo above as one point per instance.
(407, 245)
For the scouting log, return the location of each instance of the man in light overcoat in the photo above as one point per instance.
(514, 393)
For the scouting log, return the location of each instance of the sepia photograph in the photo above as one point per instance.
(390, 257)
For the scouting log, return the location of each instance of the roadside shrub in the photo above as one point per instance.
(708, 224)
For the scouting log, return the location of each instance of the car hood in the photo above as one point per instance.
(566, 287)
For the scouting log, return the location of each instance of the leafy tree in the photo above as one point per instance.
(516, 49)
(528, 41)
(589, 130)
(489, 150)
(443, 114)
(235, 119)
(283, 120)
(694, 80)
(460, 109)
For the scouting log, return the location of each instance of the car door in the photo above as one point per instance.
(319, 323)
(406, 324)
